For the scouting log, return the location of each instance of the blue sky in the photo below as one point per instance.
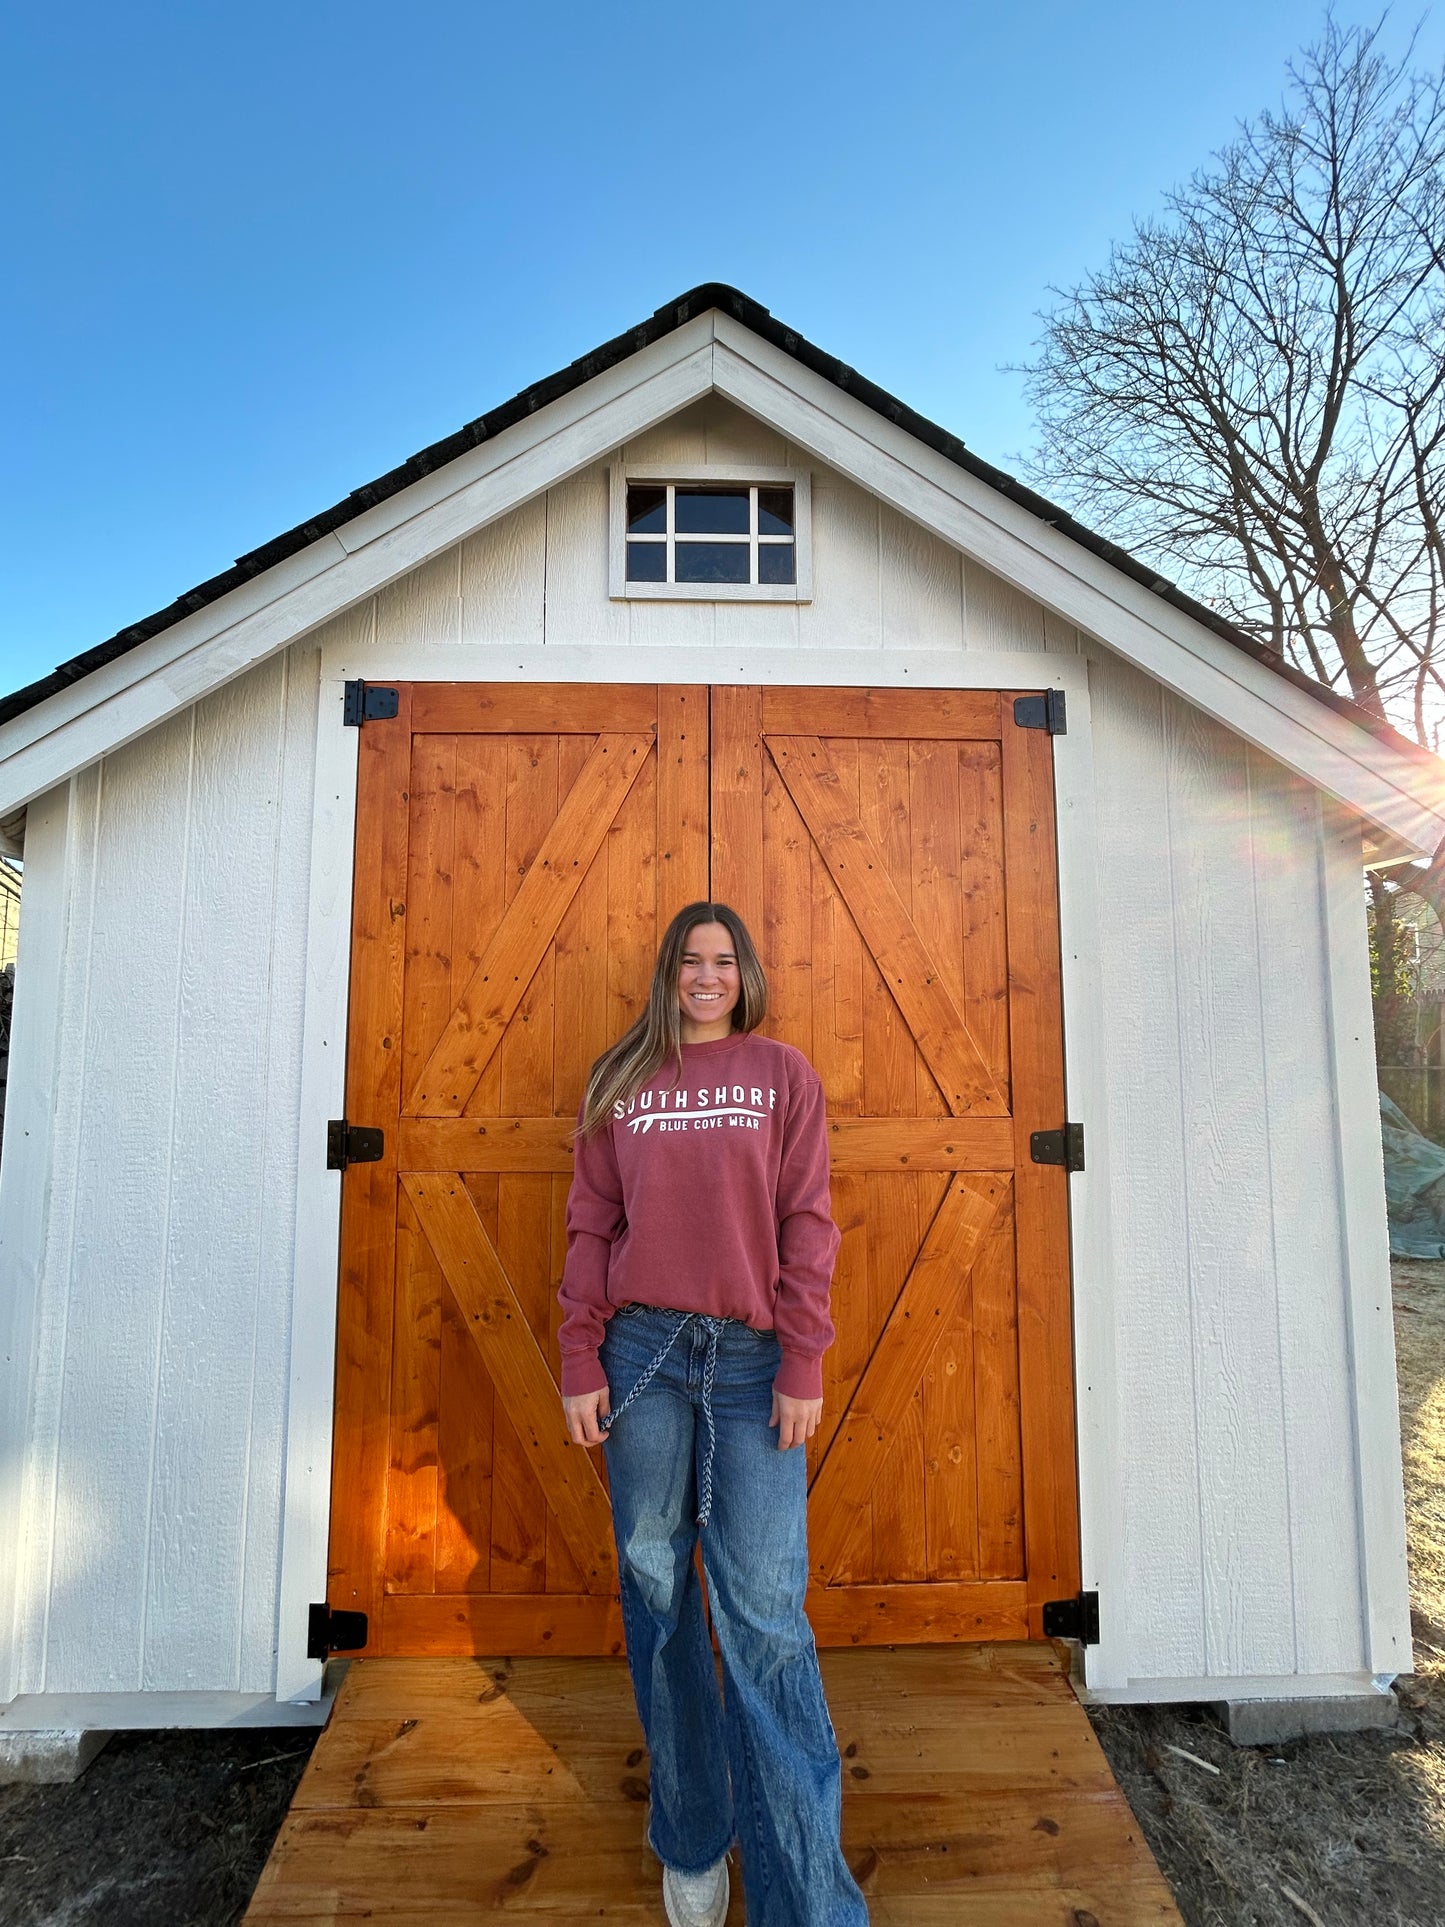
(258, 255)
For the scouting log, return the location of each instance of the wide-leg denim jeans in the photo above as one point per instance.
(689, 1434)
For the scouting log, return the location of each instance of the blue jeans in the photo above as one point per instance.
(689, 1433)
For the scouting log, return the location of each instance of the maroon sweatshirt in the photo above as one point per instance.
(707, 1192)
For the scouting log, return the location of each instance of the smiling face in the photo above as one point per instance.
(709, 984)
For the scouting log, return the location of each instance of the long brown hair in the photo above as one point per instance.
(622, 1071)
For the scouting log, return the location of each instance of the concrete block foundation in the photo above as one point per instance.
(47, 1759)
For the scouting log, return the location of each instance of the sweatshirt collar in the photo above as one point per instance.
(718, 1047)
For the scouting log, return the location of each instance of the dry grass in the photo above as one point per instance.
(1344, 1831)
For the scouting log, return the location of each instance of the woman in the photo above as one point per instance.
(700, 1252)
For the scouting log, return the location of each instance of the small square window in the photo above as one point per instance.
(688, 536)
(775, 562)
(711, 562)
(647, 511)
(647, 562)
(712, 511)
(775, 511)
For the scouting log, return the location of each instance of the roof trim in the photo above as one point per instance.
(665, 321)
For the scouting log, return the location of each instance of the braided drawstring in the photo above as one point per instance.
(704, 1513)
(714, 1332)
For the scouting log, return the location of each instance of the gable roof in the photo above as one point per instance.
(320, 532)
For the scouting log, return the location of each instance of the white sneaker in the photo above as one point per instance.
(696, 1899)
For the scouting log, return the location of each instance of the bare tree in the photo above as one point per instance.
(1252, 390)
(1252, 393)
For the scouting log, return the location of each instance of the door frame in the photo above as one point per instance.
(349, 651)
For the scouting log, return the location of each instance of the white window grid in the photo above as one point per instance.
(751, 475)
(753, 540)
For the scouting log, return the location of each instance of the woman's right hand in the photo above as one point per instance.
(583, 1412)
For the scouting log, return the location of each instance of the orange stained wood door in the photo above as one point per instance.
(519, 850)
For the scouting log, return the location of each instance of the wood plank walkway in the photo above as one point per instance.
(446, 1791)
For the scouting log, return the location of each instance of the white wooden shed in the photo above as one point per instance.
(1190, 1421)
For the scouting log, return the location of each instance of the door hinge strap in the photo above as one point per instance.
(329, 1631)
(367, 703)
(1048, 711)
(1064, 1147)
(352, 1144)
(1076, 1618)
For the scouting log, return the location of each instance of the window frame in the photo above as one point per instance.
(714, 474)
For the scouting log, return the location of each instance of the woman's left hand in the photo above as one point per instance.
(796, 1419)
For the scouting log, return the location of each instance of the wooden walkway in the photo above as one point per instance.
(446, 1791)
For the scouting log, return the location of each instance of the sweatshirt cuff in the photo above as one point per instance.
(799, 1376)
(582, 1372)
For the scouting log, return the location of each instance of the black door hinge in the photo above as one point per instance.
(1076, 1618)
(1064, 1147)
(351, 1144)
(329, 1631)
(367, 703)
(1042, 712)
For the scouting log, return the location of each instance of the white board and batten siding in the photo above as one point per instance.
(147, 1487)
(1240, 1490)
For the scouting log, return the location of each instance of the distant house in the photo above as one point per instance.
(340, 871)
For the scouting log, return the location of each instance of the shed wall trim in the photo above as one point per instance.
(306, 1504)
(25, 1164)
(1369, 1302)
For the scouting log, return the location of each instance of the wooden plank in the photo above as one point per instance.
(997, 1439)
(461, 1624)
(836, 957)
(534, 802)
(429, 898)
(515, 1364)
(411, 1485)
(940, 1274)
(785, 939)
(580, 1025)
(366, 1276)
(502, 1144)
(520, 1499)
(982, 898)
(510, 1756)
(533, 708)
(630, 855)
(860, 1614)
(500, 980)
(896, 1081)
(935, 715)
(482, 885)
(457, 1790)
(913, 978)
(682, 799)
(478, 1687)
(853, 1328)
(899, 1215)
(465, 1428)
(737, 802)
(523, 1064)
(952, 1452)
(496, 1144)
(1041, 1203)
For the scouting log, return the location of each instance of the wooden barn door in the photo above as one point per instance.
(518, 851)
(894, 851)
